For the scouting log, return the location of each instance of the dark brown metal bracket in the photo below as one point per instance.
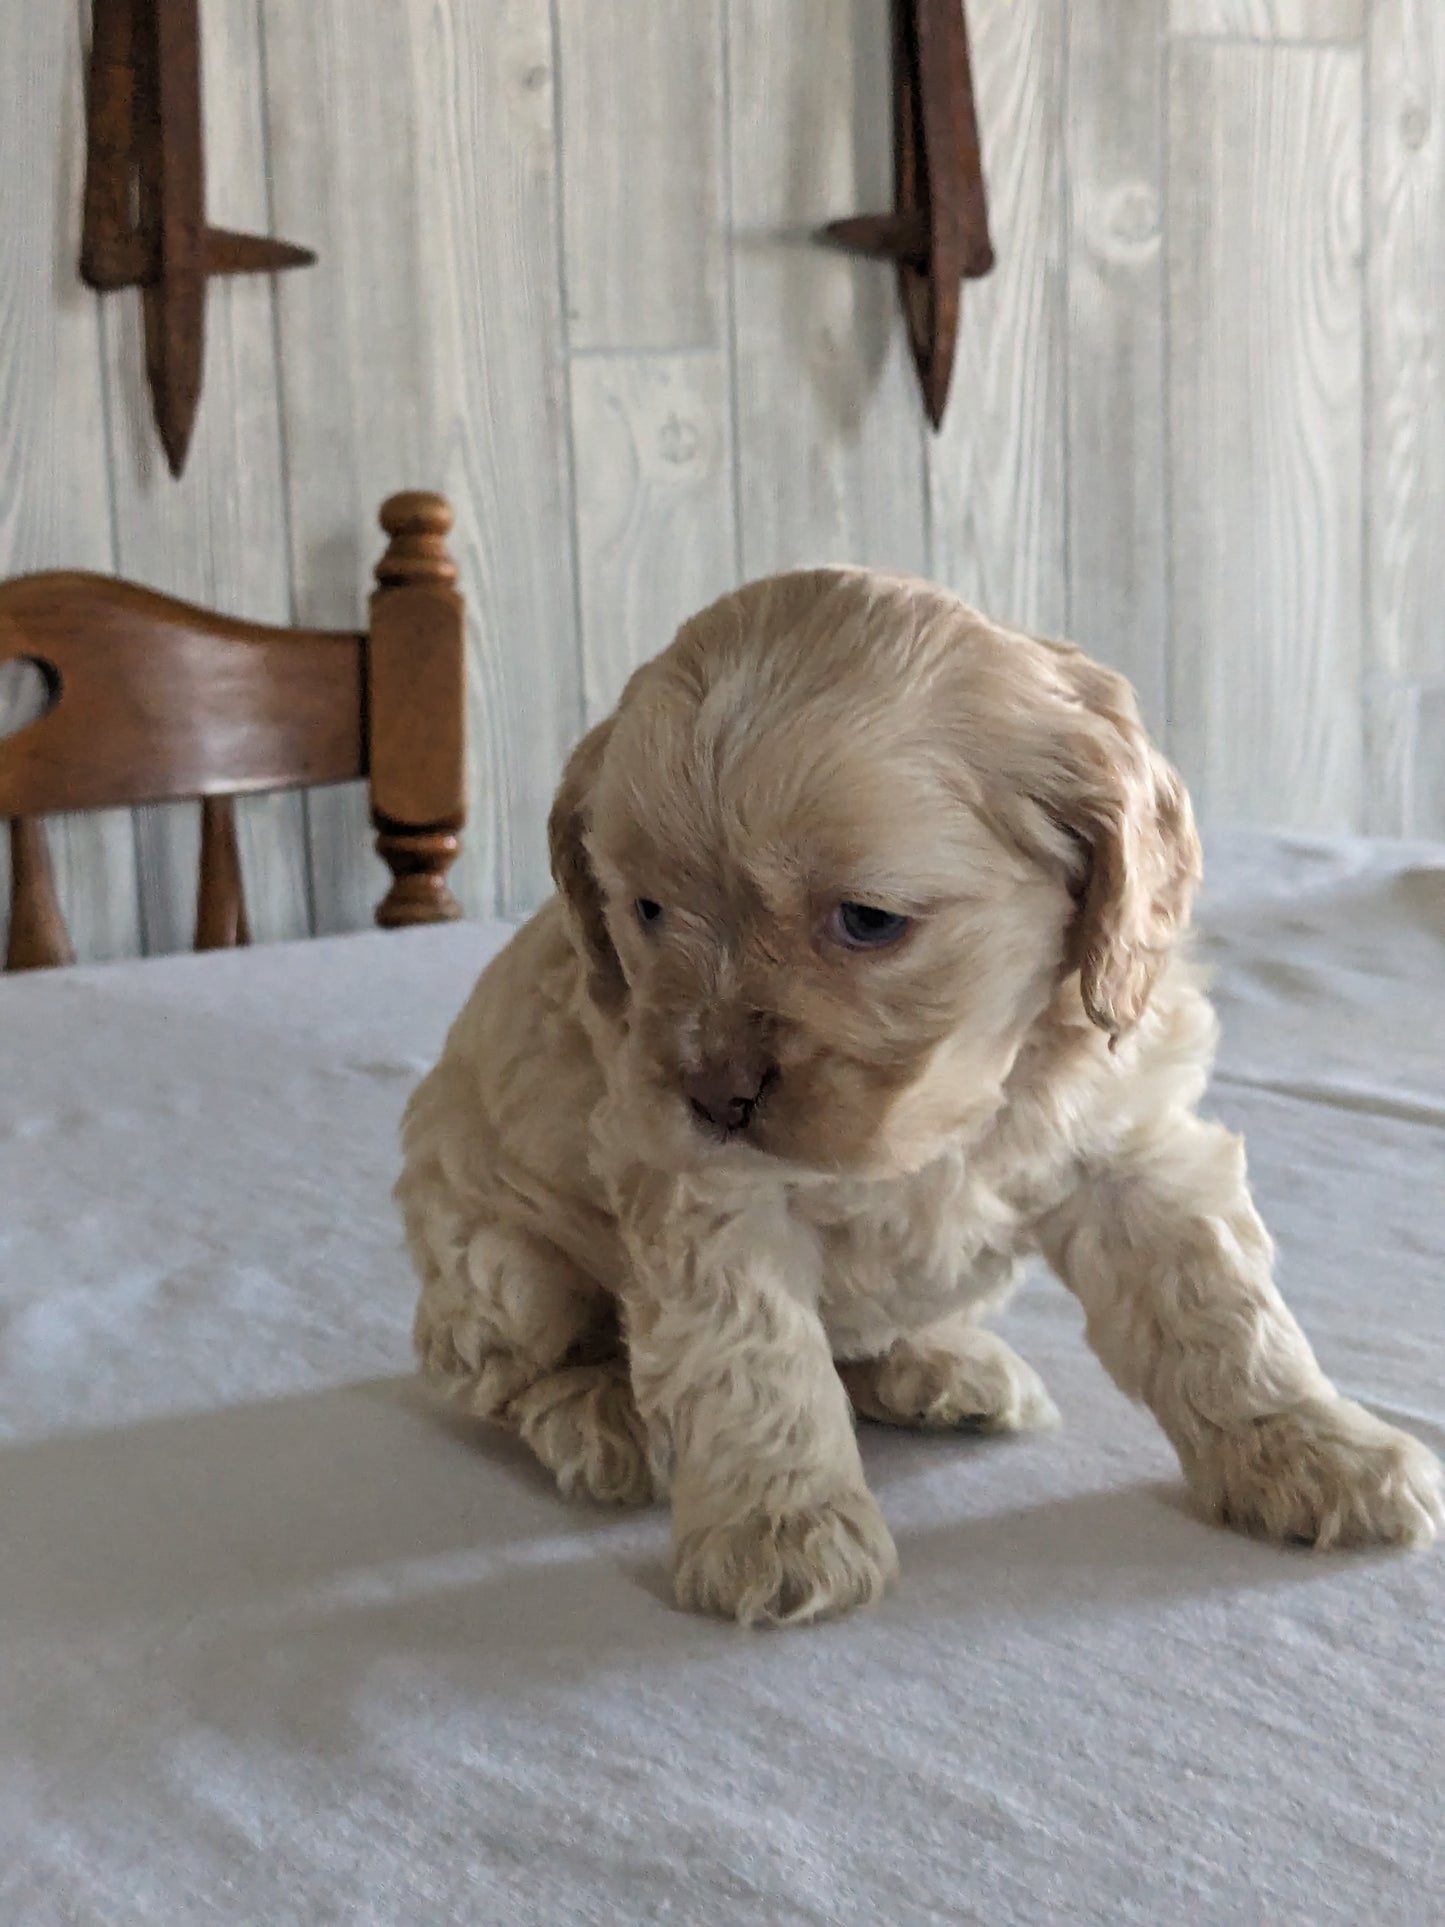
(145, 197)
(938, 231)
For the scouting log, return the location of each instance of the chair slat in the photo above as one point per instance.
(158, 701)
(38, 936)
(221, 893)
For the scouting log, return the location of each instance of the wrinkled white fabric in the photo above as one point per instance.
(280, 1644)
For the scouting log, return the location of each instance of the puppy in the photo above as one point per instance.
(860, 986)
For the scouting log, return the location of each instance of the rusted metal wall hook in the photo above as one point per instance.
(938, 230)
(145, 197)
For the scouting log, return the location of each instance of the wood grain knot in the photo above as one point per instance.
(1415, 126)
(678, 441)
(1127, 221)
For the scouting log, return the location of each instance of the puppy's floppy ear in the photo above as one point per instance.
(1118, 797)
(1060, 738)
(573, 874)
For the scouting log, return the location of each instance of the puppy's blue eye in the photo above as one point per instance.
(648, 912)
(863, 926)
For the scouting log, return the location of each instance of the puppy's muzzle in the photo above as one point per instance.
(726, 1096)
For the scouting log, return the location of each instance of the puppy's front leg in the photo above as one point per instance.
(772, 1522)
(1173, 1267)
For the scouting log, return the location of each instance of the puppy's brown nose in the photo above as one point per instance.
(727, 1095)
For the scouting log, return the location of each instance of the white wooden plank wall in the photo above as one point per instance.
(491, 220)
(1405, 422)
(54, 497)
(566, 273)
(996, 469)
(424, 349)
(647, 325)
(830, 464)
(1310, 20)
(1114, 169)
(1266, 434)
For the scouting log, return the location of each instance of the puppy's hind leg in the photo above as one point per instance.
(953, 1376)
(509, 1329)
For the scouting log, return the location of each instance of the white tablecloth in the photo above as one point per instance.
(280, 1644)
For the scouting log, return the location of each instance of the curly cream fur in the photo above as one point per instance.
(649, 1303)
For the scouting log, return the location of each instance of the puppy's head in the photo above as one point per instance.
(835, 851)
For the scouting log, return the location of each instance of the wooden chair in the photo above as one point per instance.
(151, 700)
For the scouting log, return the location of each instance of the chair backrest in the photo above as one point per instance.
(152, 700)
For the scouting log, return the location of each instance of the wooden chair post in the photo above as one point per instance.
(416, 692)
(38, 937)
(220, 894)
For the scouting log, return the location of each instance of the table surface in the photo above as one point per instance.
(280, 1643)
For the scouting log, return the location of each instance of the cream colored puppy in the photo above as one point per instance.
(860, 987)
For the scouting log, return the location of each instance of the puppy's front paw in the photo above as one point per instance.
(973, 1382)
(584, 1425)
(1328, 1473)
(787, 1568)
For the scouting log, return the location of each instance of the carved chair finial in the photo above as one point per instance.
(418, 523)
